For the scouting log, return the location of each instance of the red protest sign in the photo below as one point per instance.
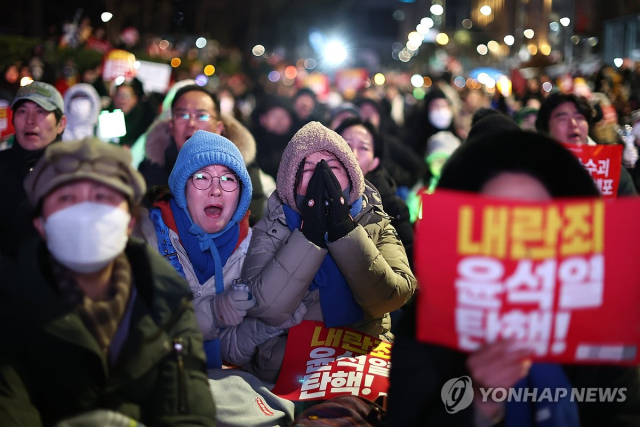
(351, 80)
(603, 163)
(6, 125)
(118, 63)
(321, 363)
(559, 277)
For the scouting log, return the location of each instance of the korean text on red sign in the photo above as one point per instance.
(321, 363)
(559, 277)
(603, 162)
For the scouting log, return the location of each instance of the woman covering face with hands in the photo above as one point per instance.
(325, 245)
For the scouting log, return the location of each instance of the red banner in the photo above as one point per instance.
(560, 277)
(603, 163)
(321, 363)
(6, 125)
(118, 63)
(351, 80)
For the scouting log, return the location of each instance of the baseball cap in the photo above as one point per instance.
(88, 158)
(42, 94)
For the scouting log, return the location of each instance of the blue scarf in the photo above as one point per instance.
(339, 307)
(563, 413)
(208, 253)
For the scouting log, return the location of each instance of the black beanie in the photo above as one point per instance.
(483, 158)
(491, 124)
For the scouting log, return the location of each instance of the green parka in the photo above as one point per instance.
(52, 369)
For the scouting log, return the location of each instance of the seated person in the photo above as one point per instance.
(325, 243)
(524, 166)
(99, 325)
(368, 148)
(202, 228)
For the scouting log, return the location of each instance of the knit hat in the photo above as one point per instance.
(442, 142)
(204, 149)
(88, 158)
(42, 94)
(345, 107)
(491, 124)
(481, 159)
(523, 113)
(311, 138)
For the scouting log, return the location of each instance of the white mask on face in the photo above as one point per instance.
(80, 108)
(86, 237)
(441, 118)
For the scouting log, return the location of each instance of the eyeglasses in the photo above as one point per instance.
(203, 180)
(199, 117)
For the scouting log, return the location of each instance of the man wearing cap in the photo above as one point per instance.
(102, 328)
(38, 121)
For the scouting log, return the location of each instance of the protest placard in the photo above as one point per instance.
(560, 277)
(603, 163)
(321, 363)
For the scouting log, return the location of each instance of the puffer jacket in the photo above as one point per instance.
(52, 369)
(235, 340)
(282, 265)
(202, 292)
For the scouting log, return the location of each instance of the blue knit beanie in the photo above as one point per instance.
(204, 149)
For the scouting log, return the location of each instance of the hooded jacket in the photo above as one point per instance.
(79, 126)
(53, 368)
(161, 154)
(282, 263)
(421, 124)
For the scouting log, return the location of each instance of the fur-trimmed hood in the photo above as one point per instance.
(159, 138)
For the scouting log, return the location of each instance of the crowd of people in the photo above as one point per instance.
(136, 272)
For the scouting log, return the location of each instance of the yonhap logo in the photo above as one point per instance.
(457, 394)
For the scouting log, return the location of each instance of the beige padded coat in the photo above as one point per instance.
(282, 265)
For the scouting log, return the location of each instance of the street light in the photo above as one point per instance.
(437, 9)
(442, 39)
(485, 10)
(509, 40)
(335, 53)
(106, 16)
(565, 21)
(528, 33)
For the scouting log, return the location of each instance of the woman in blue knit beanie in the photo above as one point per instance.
(202, 228)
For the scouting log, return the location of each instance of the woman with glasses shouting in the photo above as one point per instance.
(202, 228)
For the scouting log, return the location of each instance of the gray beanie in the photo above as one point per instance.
(442, 142)
(311, 138)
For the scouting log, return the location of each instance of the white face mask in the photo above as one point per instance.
(441, 118)
(86, 237)
(80, 108)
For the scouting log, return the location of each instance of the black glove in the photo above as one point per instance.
(339, 221)
(313, 210)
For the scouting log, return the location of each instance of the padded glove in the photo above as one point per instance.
(339, 221)
(313, 210)
(230, 307)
